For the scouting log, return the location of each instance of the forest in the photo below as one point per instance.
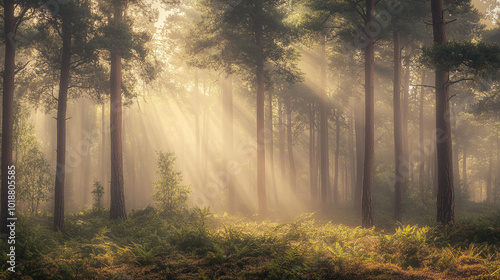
(250, 139)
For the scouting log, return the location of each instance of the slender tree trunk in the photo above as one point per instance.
(398, 133)
(7, 106)
(352, 178)
(359, 127)
(324, 167)
(489, 188)
(270, 147)
(445, 196)
(117, 208)
(196, 100)
(337, 152)
(312, 157)
(369, 164)
(228, 145)
(464, 165)
(61, 125)
(103, 144)
(421, 164)
(404, 125)
(261, 152)
(293, 172)
(281, 140)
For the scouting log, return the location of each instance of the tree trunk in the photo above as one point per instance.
(312, 157)
(369, 164)
(352, 174)
(398, 132)
(117, 208)
(404, 125)
(359, 127)
(337, 152)
(62, 102)
(270, 147)
(421, 164)
(293, 172)
(261, 152)
(227, 141)
(489, 188)
(464, 166)
(324, 167)
(103, 145)
(281, 140)
(7, 106)
(445, 196)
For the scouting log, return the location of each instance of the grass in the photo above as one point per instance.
(197, 244)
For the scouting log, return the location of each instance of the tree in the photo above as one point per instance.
(169, 194)
(445, 196)
(11, 39)
(369, 163)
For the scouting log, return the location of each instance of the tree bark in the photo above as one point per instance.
(398, 132)
(312, 157)
(421, 164)
(369, 164)
(445, 195)
(359, 127)
(281, 140)
(337, 152)
(62, 103)
(261, 152)
(489, 188)
(270, 147)
(227, 140)
(464, 165)
(117, 208)
(293, 172)
(7, 106)
(324, 167)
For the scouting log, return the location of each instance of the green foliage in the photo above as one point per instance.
(97, 194)
(170, 194)
(199, 245)
(480, 58)
(407, 247)
(34, 174)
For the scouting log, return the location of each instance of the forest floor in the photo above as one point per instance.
(197, 244)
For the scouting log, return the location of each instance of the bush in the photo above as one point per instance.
(170, 194)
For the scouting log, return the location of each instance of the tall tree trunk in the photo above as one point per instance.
(445, 196)
(270, 147)
(293, 172)
(62, 102)
(312, 157)
(7, 105)
(281, 140)
(398, 132)
(359, 127)
(337, 152)
(324, 167)
(421, 164)
(369, 163)
(227, 140)
(404, 124)
(352, 178)
(117, 208)
(103, 144)
(489, 188)
(261, 152)
(196, 103)
(464, 165)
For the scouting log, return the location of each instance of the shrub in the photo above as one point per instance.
(170, 194)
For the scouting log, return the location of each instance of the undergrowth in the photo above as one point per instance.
(196, 244)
